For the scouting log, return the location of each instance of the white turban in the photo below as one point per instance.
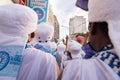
(107, 10)
(75, 49)
(44, 32)
(16, 22)
(61, 47)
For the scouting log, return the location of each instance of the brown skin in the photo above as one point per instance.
(86, 38)
(97, 38)
(31, 36)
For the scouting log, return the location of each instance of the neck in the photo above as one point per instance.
(100, 43)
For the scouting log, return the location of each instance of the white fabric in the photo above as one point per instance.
(114, 30)
(61, 47)
(4, 2)
(37, 65)
(75, 49)
(60, 50)
(53, 45)
(16, 23)
(106, 11)
(7, 78)
(90, 69)
(46, 44)
(21, 19)
(44, 32)
(110, 14)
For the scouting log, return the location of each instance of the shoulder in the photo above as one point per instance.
(32, 52)
(37, 64)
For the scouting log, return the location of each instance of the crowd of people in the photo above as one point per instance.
(27, 52)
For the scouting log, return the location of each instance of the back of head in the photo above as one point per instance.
(98, 30)
(108, 12)
(44, 32)
(75, 49)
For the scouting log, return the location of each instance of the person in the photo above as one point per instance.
(43, 35)
(98, 39)
(16, 62)
(105, 65)
(74, 48)
(98, 35)
(60, 56)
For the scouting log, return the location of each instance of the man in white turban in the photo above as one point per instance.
(43, 36)
(74, 50)
(104, 21)
(16, 62)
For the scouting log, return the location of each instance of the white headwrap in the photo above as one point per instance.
(44, 34)
(61, 48)
(16, 22)
(75, 49)
(107, 10)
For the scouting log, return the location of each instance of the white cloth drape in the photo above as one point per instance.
(37, 65)
(90, 69)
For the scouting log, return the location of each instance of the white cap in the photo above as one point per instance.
(107, 10)
(75, 49)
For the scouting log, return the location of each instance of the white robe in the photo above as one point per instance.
(37, 65)
(90, 69)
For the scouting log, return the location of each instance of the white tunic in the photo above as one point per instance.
(37, 65)
(90, 69)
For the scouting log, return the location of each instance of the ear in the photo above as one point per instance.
(32, 34)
